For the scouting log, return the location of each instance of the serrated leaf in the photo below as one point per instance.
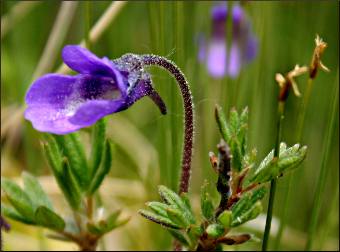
(291, 158)
(207, 207)
(47, 218)
(173, 199)
(98, 145)
(35, 191)
(234, 121)
(185, 199)
(225, 218)
(271, 167)
(215, 230)
(247, 201)
(73, 150)
(165, 222)
(179, 236)
(18, 198)
(13, 214)
(103, 170)
(250, 214)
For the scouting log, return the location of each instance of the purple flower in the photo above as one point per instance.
(217, 49)
(61, 104)
(243, 49)
(244, 43)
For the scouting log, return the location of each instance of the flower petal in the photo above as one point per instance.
(83, 61)
(51, 89)
(234, 63)
(217, 58)
(91, 111)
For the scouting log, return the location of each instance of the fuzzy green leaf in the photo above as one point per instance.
(247, 201)
(13, 214)
(207, 207)
(270, 167)
(225, 218)
(35, 191)
(173, 199)
(103, 170)
(222, 123)
(215, 230)
(177, 216)
(73, 150)
(98, 145)
(158, 207)
(179, 236)
(72, 191)
(18, 198)
(164, 221)
(250, 214)
(47, 218)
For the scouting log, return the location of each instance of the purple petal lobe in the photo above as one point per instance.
(219, 12)
(217, 58)
(251, 49)
(234, 64)
(83, 61)
(51, 89)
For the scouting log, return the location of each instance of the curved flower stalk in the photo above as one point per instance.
(241, 185)
(62, 104)
(220, 59)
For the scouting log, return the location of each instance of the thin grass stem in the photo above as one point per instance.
(280, 114)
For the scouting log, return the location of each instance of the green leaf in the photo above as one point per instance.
(270, 167)
(47, 218)
(234, 122)
(290, 158)
(158, 207)
(222, 123)
(225, 218)
(165, 222)
(103, 169)
(179, 236)
(177, 217)
(18, 198)
(247, 201)
(73, 150)
(10, 212)
(53, 155)
(215, 230)
(207, 207)
(250, 214)
(35, 191)
(72, 191)
(98, 144)
(172, 198)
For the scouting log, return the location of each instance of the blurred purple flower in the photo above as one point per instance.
(217, 48)
(61, 104)
(243, 49)
(243, 44)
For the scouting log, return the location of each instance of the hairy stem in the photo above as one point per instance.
(188, 114)
(280, 113)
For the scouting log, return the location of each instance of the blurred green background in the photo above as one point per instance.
(148, 144)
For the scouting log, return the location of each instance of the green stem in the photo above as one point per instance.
(287, 192)
(323, 172)
(280, 113)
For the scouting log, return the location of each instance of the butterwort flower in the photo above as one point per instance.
(61, 104)
(217, 49)
(220, 59)
(243, 44)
